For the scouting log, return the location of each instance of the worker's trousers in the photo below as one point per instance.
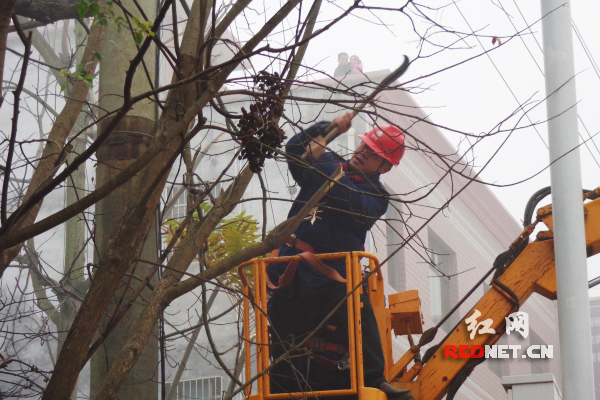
(292, 319)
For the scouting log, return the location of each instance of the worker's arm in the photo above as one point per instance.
(312, 141)
(363, 207)
(318, 145)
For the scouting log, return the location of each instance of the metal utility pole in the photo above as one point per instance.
(565, 172)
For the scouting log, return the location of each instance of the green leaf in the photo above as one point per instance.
(102, 20)
(64, 86)
(136, 21)
(98, 56)
(89, 83)
(95, 8)
(82, 9)
(109, 2)
(139, 37)
(231, 236)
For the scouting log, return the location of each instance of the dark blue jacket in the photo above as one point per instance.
(345, 214)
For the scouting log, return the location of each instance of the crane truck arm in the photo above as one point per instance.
(530, 268)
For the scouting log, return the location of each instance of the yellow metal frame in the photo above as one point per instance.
(259, 308)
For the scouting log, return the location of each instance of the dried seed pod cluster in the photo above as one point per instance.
(259, 129)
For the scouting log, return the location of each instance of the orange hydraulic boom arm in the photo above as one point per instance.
(533, 270)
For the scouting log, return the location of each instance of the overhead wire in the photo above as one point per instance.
(596, 69)
(586, 50)
(499, 73)
(496, 263)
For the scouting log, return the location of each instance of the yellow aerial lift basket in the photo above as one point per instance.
(406, 314)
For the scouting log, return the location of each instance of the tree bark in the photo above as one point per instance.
(171, 128)
(198, 232)
(75, 227)
(47, 11)
(141, 383)
(122, 248)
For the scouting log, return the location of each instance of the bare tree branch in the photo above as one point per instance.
(47, 11)
(54, 147)
(6, 11)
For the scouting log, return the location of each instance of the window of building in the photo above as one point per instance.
(442, 282)
(351, 137)
(199, 389)
(179, 209)
(394, 232)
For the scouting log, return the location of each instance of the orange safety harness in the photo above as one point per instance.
(308, 254)
(288, 275)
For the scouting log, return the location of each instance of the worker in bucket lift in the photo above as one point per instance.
(339, 223)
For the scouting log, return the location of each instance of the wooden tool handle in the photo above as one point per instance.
(388, 80)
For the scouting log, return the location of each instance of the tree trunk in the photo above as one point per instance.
(128, 141)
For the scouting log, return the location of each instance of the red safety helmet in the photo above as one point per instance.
(387, 141)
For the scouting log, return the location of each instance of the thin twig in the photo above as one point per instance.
(13, 134)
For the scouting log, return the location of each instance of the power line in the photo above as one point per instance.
(590, 57)
(521, 37)
(586, 49)
(499, 73)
